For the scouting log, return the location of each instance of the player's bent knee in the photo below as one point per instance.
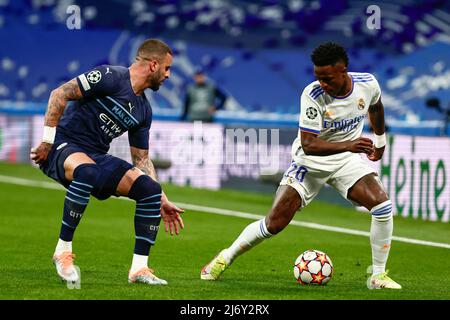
(88, 173)
(376, 191)
(380, 196)
(72, 162)
(143, 187)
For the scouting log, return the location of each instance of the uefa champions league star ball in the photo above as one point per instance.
(313, 267)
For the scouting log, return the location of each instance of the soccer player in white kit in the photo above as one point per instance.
(328, 150)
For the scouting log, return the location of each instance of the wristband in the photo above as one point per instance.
(49, 134)
(380, 140)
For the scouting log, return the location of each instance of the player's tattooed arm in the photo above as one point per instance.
(142, 161)
(376, 117)
(56, 105)
(58, 101)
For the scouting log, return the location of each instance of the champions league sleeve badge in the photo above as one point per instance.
(311, 113)
(94, 76)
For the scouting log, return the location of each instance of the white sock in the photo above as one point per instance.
(62, 246)
(253, 234)
(381, 235)
(138, 263)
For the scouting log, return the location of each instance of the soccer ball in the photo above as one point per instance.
(313, 267)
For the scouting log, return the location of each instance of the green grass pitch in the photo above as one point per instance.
(30, 219)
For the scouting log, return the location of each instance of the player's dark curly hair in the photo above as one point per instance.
(329, 53)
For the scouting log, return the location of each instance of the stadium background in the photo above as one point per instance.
(258, 53)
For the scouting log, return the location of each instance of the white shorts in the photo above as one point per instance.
(309, 174)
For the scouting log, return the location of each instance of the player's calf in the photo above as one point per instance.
(381, 236)
(286, 204)
(147, 194)
(85, 177)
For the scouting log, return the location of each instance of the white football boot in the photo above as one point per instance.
(65, 267)
(146, 276)
(382, 281)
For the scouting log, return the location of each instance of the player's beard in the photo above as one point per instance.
(155, 81)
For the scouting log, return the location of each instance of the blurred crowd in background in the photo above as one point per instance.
(256, 53)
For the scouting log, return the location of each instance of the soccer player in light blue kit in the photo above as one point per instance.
(328, 150)
(106, 102)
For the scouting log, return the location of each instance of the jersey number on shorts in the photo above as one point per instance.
(300, 174)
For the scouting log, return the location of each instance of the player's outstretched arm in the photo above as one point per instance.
(55, 109)
(170, 213)
(376, 118)
(313, 145)
(171, 216)
(141, 160)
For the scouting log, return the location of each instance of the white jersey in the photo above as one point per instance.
(336, 119)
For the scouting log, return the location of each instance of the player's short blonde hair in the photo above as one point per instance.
(153, 49)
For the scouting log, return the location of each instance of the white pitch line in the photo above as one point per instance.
(226, 212)
(30, 183)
